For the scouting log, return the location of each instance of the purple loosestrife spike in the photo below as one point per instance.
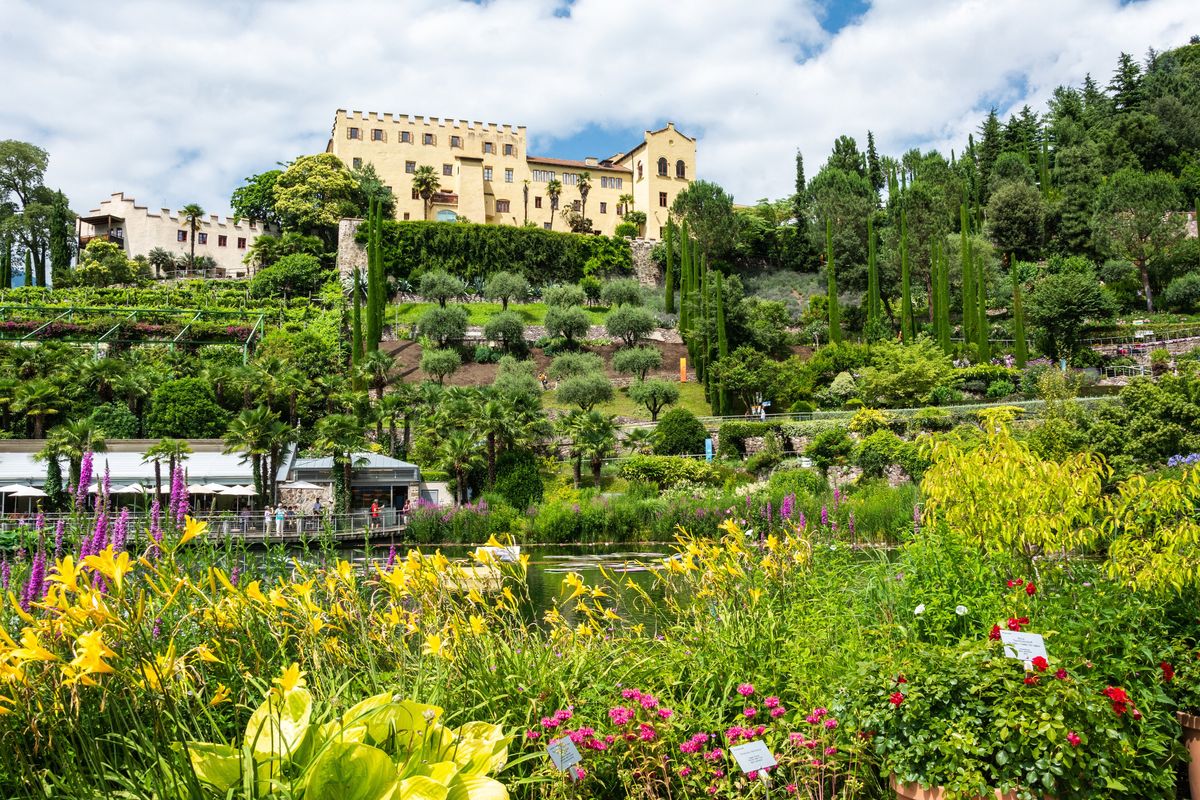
(106, 487)
(85, 477)
(769, 513)
(851, 523)
(837, 498)
(916, 519)
(786, 507)
(100, 534)
(156, 631)
(802, 523)
(5, 574)
(40, 525)
(235, 574)
(155, 528)
(36, 588)
(60, 530)
(121, 530)
(391, 557)
(824, 517)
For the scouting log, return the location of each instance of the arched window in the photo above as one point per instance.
(680, 169)
(662, 167)
(639, 170)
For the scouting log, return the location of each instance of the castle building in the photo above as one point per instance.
(487, 175)
(138, 230)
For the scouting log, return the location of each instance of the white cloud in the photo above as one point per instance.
(176, 103)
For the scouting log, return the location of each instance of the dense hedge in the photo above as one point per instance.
(474, 252)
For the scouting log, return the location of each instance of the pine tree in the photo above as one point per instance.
(1020, 348)
(991, 137)
(835, 317)
(669, 279)
(874, 168)
(802, 230)
(907, 331)
(1126, 83)
(968, 275)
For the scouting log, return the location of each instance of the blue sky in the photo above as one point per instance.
(175, 110)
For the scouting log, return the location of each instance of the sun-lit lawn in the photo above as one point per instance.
(691, 397)
(480, 313)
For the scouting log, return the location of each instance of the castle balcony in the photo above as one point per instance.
(115, 237)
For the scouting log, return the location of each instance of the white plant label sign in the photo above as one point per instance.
(564, 754)
(1023, 646)
(752, 756)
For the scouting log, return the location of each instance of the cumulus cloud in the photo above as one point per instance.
(177, 103)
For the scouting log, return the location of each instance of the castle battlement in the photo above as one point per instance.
(119, 205)
(445, 123)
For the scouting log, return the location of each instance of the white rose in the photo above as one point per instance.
(919, 610)
(960, 610)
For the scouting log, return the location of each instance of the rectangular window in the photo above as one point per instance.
(406, 137)
(447, 169)
(222, 240)
(488, 148)
(546, 225)
(610, 183)
(377, 135)
(415, 196)
(662, 199)
(570, 179)
(508, 176)
(428, 139)
(202, 238)
(456, 141)
(508, 150)
(410, 167)
(537, 202)
(487, 173)
(241, 243)
(604, 208)
(405, 215)
(353, 133)
(501, 206)
(181, 236)
(543, 175)
(357, 162)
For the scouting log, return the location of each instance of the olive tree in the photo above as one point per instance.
(621, 292)
(569, 323)
(586, 391)
(444, 325)
(506, 286)
(654, 395)
(630, 324)
(637, 361)
(440, 364)
(441, 286)
(507, 329)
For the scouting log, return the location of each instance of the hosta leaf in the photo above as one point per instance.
(350, 771)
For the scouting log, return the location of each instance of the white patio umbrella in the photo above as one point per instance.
(216, 488)
(28, 491)
(198, 488)
(132, 488)
(8, 489)
(239, 491)
(299, 485)
(94, 488)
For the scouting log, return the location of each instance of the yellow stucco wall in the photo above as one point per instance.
(471, 162)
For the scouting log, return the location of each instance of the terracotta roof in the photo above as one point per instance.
(566, 162)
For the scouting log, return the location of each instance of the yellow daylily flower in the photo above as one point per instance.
(31, 649)
(433, 645)
(477, 625)
(221, 695)
(754, 595)
(290, 678)
(66, 572)
(475, 597)
(255, 593)
(112, 566)
(205, 654)
(90, 652)
(191, 529)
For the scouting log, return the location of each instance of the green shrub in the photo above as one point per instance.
(985, 374)
(877, 452)
(291, 275)
(637, 361)
(507, 329)
(800, 482)
(622, 292)
(586, 391)
(666, 471)
(590, 285)
(185, 409)
(563, 296)
(568, 365)
(732, 435)
(1183, 293)
(626, 230)
(829, 447)
(931, 419)
(570, 323)
(115, 420)
(518, 479)
(868, 420)
(630, 324)
(679, 432)
(1000, 389)
(444, 325)
(768, 457)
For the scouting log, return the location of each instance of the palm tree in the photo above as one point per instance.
(640, 441)
(160, 258)
(340, 436)
(9, 392)
(37, 399)
(247, 434)
(173, 451)
(427, 183)
(626, 203)
(192, 213)
(598, 441)
(393, 407)
(492, 420)
(376, 365)
(73, 439)
(134, 386)
(525, 192)
(459, 453)
(571, 425)
(553, 191)
(278, 437)
(289, 383)
(585, 186)
(102, 374)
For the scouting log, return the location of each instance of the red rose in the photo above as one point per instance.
(1031, 680)
(1168, 672)
(1014, 624)
(1061, 674)
(896, 699)
(1040, 663)
(995, 633)
(1023, 620)
(1073, 739)
(1136, 714)
(1030, 589)
(901, 679)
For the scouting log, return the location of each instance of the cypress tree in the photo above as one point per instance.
(981, 330)
(369, 321)
(935, 299)
(669, 279)
(722, 343)
(705, 346)
(873, 306)
(28, 270)
(835, 316)
(943, 291)
(968, 276)
(907, 332)
(1020, 348)
(356, 335)
(684, 279)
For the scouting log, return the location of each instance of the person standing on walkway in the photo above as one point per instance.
(375, 513)
(279, 515)
(268, 512)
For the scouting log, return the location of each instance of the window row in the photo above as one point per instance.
(611, 183)
(406, 137)
(202, 238)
